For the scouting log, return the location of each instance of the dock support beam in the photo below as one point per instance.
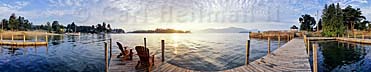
(308, 46)
(279, 40)
(12, 38)
(315, 68)
(24, 38)
(106, 56)
(269, 45)
(163, 50)
(110, 47)
(288, 37)
(247, 52)
(46, 39)
(145, 42)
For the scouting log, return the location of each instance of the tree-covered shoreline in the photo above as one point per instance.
(336, 21)
(160, 31)
(20, 23)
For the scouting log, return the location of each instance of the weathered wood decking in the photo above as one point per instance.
(355, 40)
(321, 38)
(23, 43)
(290, 57)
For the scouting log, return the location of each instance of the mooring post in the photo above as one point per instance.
(288, 37)
(269, 45)
(315, 58)
(279, 36)
(247, 52)
(163, 50)
(24, 38)
(110, 47)
(363, 36)
(12, 38)
(36, 38)
(106, 56)
(46, 38)
(145, 43)
(308, 47)
(354, 36)
(279, 40)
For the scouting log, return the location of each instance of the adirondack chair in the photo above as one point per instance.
(125, 53)
(146, 61)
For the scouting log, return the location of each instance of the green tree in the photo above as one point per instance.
(4, 24)
(73, 26)
(306, 21)
(48, 27)
(332, 20)
(353, 18)
(12, 22)
(109, 28)
(56, 27)
(319, 25)
(293, 27)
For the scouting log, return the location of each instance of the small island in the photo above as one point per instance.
(160, 31)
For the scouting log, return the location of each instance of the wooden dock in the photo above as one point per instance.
(290, 57)
(321, 38)
(23, 42)
(355, 40)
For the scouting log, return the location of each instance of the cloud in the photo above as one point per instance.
(137, 14)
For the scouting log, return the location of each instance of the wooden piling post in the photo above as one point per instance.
(279, 37)
(308, 47)
(279, 41)
(288, 37)
(163, 50)
(46, 38)
(269, 45)
(145, 43)
(354, 35)
(12, 37)
(110, 47)
(106, 56)
(24, 38)
(36, 38)
(247, 52)
(315, 68)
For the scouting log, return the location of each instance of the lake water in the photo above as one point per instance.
(206, 52)
(334, 56)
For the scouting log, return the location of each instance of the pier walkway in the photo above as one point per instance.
(355, 40)
(290, 57)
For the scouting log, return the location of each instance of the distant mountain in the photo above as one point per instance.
(224, 30)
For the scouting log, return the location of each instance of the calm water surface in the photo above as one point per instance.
(334, 56)
(206, 52)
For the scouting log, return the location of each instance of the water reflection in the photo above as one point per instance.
(83, 53)
(21, 50)
(205, 52)
(342, 56)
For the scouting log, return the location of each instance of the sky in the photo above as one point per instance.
(178, 14)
